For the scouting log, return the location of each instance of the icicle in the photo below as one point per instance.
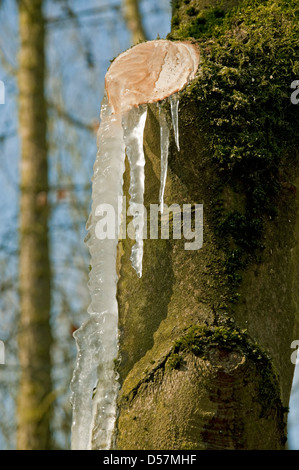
(147, 73)
(174, 106)
(164, 147)
(164, 140)
(133, 125)
(97, 338)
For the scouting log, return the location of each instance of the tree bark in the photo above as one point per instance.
(205, 335)
(134, 21)
(35, 398)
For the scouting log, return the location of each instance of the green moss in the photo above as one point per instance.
(199, 340)
(191, 11)
(175, 21)
(205, 23)
(175, 4)
(248, 57)
(174, 361)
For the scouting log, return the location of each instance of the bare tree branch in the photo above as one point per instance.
(89, 12)
(62, 113)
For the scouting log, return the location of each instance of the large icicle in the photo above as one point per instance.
(97, 338)
(133, 126)
(147, 73)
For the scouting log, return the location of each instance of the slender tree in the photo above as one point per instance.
(134, 20)
(205, 335)
(35, 396)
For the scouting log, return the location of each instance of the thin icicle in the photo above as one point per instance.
(174, 106)
(133, 126)
(97, 339)
(164, 147)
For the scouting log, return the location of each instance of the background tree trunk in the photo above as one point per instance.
(34, 401)
(134, 21)
(205, 335)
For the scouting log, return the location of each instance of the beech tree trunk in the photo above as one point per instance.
(205, 335)
(34, 400)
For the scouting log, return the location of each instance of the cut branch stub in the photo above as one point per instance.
(150, 72)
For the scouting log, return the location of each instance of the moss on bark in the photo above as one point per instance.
(214, 390)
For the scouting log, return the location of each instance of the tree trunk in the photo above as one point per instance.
(134, 21)
(205, 335)
(34, 400)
